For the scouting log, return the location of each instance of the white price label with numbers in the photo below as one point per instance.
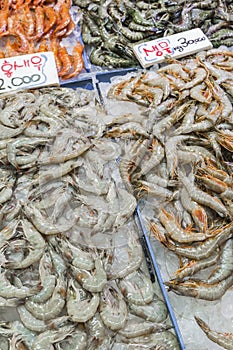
(176, 45)
(28, 71)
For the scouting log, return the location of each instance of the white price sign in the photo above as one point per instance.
(176, 45)
(28, 71)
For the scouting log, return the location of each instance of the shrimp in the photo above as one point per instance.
(199, 250)
(65, 61)
(199, 93)
(225, 265)
(225, 340)
(177, 233)
(80, 309)
(45, 339)
(8, 290)
(77, 61)
(193, 266)
(63, 19)
(201, 197)
(136, 327)
(29, 321)
(92, 282)
(201, 290)
(155, 311)
(42, 225)
(113, 309)
(137, 288)
(39, 17)
(52, 307)
(47, 280)
(197, 212)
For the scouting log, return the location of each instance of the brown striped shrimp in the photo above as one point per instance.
(177, 233)
(225, 265)
(194, 266)
(224, 340)
(202, 197)
(201, 290)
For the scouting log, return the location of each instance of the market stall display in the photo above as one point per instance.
(77, 165)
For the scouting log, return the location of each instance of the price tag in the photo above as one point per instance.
(176, 45)
(28, 71)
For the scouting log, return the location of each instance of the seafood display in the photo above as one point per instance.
(38, 26)
(72, 266)
(180, 165)
(112, 27)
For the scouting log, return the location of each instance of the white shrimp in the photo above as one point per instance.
(113, 309)
(78, 308)
(137, 288)
(52, 307)
(8, 290)
(93, 282)
(45, 339)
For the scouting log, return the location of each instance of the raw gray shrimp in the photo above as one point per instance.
(201, 290)
(136, 327)
(8, 290)
(45, 339)
(13, 147)
(92, 282)
(38, 246)
(4, 302)
(134, 259)
(43, 225)
(78, 256)
(225, 339)
(47, 280)
(31, 322)
(113, 309)
(137, 288)
(77, 340)
(80, 309)
(52, 307)
(57, 172)
(155, 311)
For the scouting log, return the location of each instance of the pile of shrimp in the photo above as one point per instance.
(71, 262)
(180, 165)
(112, 27)
(32, 26)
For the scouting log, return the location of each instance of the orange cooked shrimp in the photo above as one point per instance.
(50, 19)
(39, 16)
(66, 61)
(29, 22)
(70, 28)
(64, 18)
(55, 48)
(77, 61)
(3, 21)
